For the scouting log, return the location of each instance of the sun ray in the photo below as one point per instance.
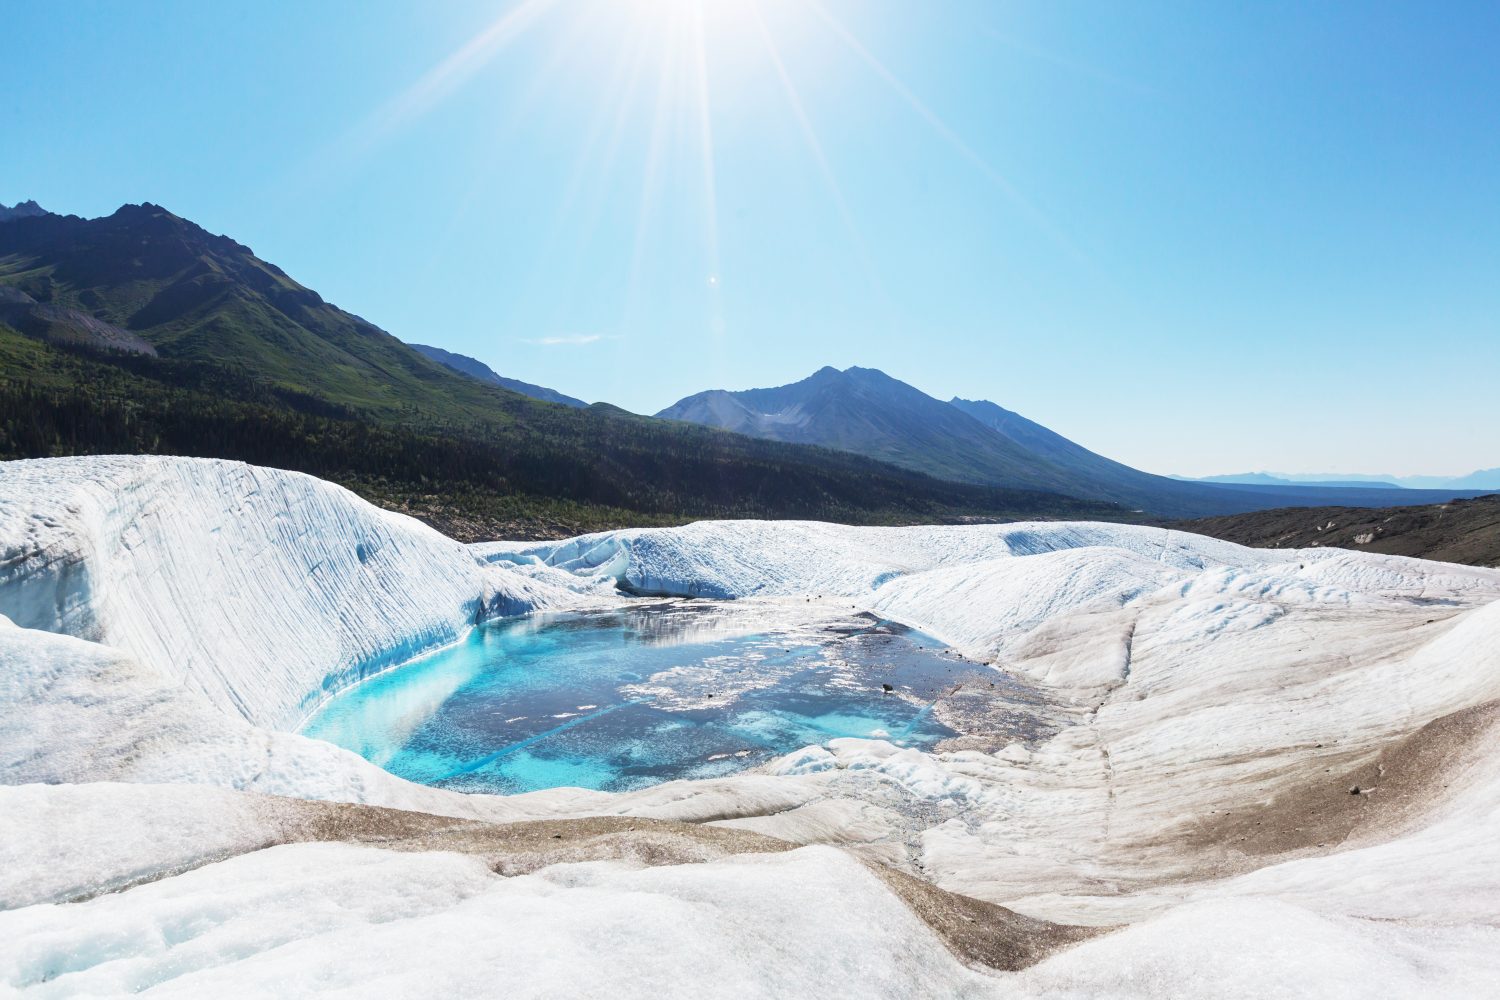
(667, 73)
(337, 154)
(942, 128)
(440, 81)
(495, 153)
(706, 144)
(717, 326)
(815, 148)
(606, 129)
(1073, 65)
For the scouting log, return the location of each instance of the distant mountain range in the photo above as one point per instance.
(1483, 479)
(1266, 479)
(474, 368)
(867, 411)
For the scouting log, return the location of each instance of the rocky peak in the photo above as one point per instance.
(21, 210)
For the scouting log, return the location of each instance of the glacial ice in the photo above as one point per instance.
(258, 588)
(170, 620)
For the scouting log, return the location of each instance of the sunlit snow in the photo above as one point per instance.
(1277, 772)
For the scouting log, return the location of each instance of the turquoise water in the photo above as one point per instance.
(622, 699)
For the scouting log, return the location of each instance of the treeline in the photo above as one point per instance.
(538, 469)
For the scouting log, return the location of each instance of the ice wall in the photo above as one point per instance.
(262, 589)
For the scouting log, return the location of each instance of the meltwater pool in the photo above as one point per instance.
(625, 698)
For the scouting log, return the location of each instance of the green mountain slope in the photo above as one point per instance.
(200, 297)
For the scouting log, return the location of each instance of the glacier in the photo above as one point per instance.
(257, 588)
(1275, 772)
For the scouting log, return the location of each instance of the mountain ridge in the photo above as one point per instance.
(201, 297)
(869, 412)
(1269, 479)
(1479, 479)
(21, 210)
(474, 368)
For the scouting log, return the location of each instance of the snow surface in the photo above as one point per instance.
(170, 620)
(346, 920)
(358, 921)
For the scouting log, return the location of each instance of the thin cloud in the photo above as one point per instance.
(567, 340)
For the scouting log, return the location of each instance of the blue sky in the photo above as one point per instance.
(1196, 237)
